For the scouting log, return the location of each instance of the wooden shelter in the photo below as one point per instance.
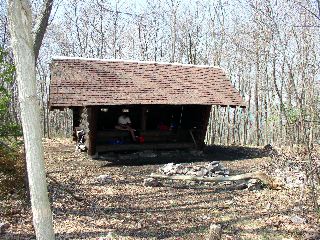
(169, 103)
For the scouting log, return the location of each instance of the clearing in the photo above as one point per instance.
(177, 210)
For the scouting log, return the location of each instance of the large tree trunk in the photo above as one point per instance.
(20, 20)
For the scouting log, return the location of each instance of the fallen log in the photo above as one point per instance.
(269, 181)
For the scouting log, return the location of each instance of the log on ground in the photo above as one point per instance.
(269, 181)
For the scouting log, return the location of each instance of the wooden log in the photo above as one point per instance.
(263, 177)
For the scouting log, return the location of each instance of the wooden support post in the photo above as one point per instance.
(92, 120)
(205, 121)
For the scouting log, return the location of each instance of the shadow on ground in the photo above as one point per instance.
(209, 153)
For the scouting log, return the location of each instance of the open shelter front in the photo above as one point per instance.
(168, 104)
(161, 126)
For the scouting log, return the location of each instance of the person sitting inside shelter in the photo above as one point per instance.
(124, 124)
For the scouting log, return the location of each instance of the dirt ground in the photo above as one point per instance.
(123, 207)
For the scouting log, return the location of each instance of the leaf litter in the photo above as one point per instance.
(116, 205)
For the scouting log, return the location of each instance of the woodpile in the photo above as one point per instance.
(212, 169)
(215, 172)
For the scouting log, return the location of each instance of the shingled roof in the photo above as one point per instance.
(88, 82)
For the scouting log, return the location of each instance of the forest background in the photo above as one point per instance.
(269, 49)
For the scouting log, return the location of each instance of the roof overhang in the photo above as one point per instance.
(77, 82)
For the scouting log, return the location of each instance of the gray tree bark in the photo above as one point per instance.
(20, 22)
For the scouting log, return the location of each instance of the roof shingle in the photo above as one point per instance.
(86, 82)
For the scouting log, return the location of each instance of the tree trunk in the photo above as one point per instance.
(256, 98)
(20, 20)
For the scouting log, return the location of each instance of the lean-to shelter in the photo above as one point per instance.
(168, 103)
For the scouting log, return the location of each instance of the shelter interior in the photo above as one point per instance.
(161, 126)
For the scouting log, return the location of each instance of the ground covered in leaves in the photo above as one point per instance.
(84, 207)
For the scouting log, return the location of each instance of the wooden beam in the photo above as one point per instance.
(92, 120)
(145, 146)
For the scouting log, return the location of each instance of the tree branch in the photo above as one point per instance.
(41, 26)
(308, 10)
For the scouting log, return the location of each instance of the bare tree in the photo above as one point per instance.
(20, 21)
(269, 58)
